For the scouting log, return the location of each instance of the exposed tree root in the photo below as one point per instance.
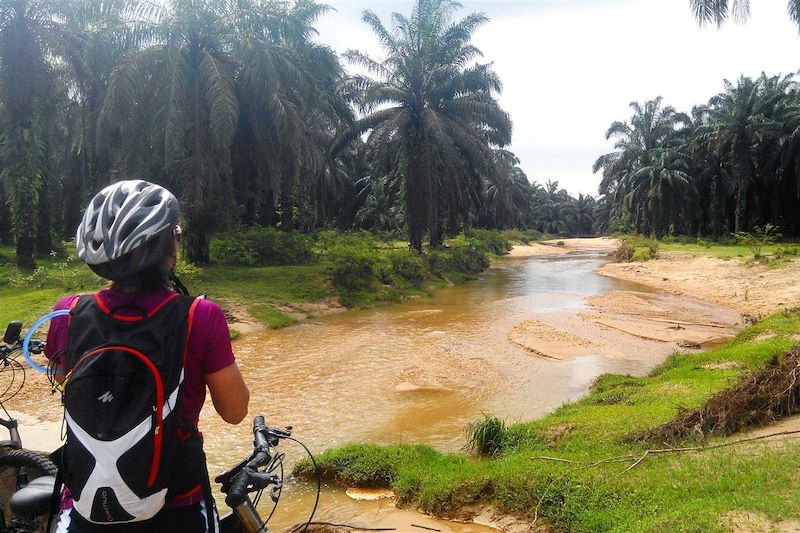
(761, 397)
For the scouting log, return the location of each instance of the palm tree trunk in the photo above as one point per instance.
(24, 251)
(741, 204)
(44, 242)
(5, 219)
(289, 172)
(437, 230)
(419, 195)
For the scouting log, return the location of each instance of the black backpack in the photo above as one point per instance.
(121, 404)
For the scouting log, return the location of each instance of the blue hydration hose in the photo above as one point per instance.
(27, 341)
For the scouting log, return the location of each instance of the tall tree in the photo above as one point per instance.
(736, 122)
(176, 98)
(640, 144)
(431, 105)
(26, 104)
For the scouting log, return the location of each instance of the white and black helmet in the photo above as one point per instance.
(127, 227)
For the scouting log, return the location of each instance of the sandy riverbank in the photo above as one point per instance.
(622, 323)
(567, 246)
(752, 289)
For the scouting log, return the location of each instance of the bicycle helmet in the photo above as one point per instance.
(127, 227)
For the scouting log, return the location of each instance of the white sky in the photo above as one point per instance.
(571, 67)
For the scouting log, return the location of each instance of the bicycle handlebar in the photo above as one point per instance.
(245, 477)
(36, 347)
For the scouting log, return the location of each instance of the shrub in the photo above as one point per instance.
(228, 250)
(515, 235)
(188, 272)
(761, 236)
(65, 250)
(353, 261)
(623, 253)
(352, 269)
(275, 247)
(261, 246)
(704, 244)
(492, 241)
(468, 255)
(409, 266)
(487, 436)
(35, 280)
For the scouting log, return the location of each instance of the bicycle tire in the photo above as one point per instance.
(29, 465)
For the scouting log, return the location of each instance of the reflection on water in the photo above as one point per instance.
(421, 370)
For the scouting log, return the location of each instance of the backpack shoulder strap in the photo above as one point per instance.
(189, 324)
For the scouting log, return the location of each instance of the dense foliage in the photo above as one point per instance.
(732, 165)
(239, 109)
(236, 107)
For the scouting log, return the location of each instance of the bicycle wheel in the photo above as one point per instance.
(17, 469)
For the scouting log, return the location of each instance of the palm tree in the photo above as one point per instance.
(432, 107)
(641, 144)
(290, 99)
(581, 214)
(718, 11)
(662, 191)
(175, 100)
(380, 209)
(508, 191)
(26, 104)
(92, 39)
(735, 122)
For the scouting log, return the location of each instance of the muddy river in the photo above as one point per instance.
(420, 371)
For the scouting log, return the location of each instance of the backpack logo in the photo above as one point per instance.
(106, 397)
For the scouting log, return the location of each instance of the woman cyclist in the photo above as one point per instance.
(130, 235)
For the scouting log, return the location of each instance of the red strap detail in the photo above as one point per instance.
(133, 318)
(167, 300)
(192, 309)
(101, 303)
(188, 498)
(71, 307)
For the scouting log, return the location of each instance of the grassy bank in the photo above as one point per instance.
(555, 466)
(643, 248)
(276, 277)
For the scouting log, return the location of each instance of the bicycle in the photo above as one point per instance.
(255, 474)
(21, 468)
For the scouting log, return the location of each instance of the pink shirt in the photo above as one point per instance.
(208, 349)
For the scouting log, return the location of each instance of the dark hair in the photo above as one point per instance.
(152, 279)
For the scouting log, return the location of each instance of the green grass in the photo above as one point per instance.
(710, 248)
(285, 284)
(28, 294)
(270, 316)
(671, 492)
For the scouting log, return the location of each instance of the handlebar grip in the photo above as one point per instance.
(260, 432)
(238, 491)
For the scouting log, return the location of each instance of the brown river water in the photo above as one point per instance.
(419, 372)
